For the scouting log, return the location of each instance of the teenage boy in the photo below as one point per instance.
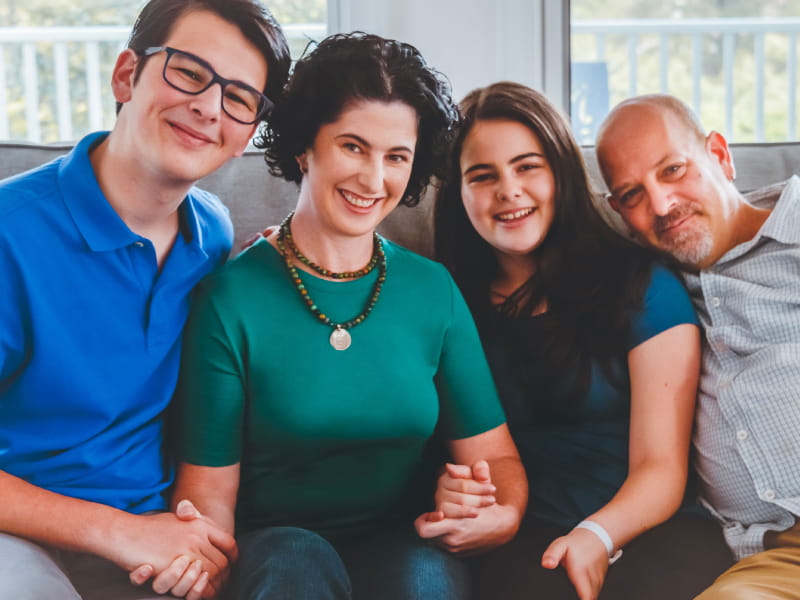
(99, 250)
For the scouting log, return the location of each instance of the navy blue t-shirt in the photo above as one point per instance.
(575, 450)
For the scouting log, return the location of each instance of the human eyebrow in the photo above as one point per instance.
(516, 159)
(619, 190)
(623, 188)
(355, 138)
(366, 144)
(476, 167)
(525, 156)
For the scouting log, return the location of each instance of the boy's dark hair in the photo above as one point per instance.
(254, 20)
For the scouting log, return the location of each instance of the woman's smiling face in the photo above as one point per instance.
(357, 169)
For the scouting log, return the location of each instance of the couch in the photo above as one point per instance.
(257, 199)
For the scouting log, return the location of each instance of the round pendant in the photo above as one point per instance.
(340, 339)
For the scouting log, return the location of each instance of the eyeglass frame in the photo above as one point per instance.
(266, 106)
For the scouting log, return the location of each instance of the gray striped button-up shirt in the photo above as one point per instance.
(747, 434)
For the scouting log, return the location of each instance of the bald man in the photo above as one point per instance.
(672, 183)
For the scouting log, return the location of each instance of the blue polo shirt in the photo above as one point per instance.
(90, 333)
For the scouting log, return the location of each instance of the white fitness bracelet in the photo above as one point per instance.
(601, 533)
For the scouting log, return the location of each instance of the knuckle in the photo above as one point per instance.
(159, 588)
(452, 497)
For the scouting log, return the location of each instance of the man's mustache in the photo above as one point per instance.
(662, 223)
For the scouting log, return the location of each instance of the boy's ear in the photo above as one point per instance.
(123, 74)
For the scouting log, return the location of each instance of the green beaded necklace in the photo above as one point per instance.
(340, 337)
(287, 237)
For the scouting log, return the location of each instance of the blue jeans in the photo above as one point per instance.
(288, 562)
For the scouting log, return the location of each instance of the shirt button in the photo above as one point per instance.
(715, 302)
(769, 494)
(724, 382)
(139, 244)
(741, 435)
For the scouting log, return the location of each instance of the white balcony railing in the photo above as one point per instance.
(740, 75)
(54, 81)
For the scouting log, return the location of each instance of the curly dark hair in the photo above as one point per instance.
(346, 68)
(590, 277)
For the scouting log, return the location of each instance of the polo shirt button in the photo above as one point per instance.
(741, 435)
(724, 382)
(769, 494)
(139, 244)
(715, 302)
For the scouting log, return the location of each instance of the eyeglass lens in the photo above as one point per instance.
(188, 75)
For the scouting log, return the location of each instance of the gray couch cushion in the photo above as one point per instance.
(256, 199)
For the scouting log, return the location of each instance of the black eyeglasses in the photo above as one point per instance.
(190, 74)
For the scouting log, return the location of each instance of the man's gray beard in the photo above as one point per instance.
(689, 247)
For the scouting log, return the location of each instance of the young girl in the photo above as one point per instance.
(595, 352)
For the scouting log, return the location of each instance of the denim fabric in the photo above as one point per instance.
(287, 562)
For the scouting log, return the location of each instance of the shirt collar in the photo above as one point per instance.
(783, 223)
(99, 224)
(189, 221)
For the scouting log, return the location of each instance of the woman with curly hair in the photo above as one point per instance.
(321, 363)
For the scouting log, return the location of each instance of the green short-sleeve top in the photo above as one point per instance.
(333, 441)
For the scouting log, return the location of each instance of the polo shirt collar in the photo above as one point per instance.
(98, 222)
(189, 221)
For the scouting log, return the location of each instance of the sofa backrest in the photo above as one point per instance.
(257, 199)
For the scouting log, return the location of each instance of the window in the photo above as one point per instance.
(734, 61)
(56, 58)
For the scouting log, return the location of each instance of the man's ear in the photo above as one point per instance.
(717, 146)
(123, 74)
